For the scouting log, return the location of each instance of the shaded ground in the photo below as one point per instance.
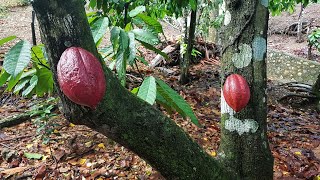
(76, 151)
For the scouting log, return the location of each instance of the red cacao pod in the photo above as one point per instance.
(236, 92)
(81, 77)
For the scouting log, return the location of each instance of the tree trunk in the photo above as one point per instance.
(244, 144)
(299, 30)
(185, 61)
(122, 116)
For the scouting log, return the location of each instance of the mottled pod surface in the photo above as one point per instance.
(236, 92)
(81, 77)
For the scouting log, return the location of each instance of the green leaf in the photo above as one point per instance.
(148, 90)
(32, 84)
(20, 85)
(99, 29)
(141, 59)
(4, 76)
(158, 51)
(137, 10)
(114, 37)
(13, 81)
(132, 48)
(176, 101)
(135, 90)
(30, 72)
(164, 103)
(145, 36)
(152, 23)
(193, 4)
(33, 155)
(93, 3)
(7, 39)
(17, 58)
(45, 81)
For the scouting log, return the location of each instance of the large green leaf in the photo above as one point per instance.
(21, 84)
(132, 48)
(7, 39)
(145, 36)
(176, 101)
(148, 90)
(114, 37)
(137, 10)
(32, 84)
(99, 29)
(45, 81)
(151, 22)
(17, 58)
(158, 51)
(164, 103)
(4, 76)
(13, 81)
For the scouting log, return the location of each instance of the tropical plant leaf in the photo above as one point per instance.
(4, 76)
(17, 58)
(151, 22)
(162, 101)
(176, 101)
(132, 48)
(32, 84)
(45, 81)
(137, 10)
(7, 39)
(13, 81)
(92, 3)
(158, 51)
(148, 90)
(99, 29)
(114, 38)
(21, 84)
(145, 36)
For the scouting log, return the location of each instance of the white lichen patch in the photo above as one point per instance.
(259, 46)
(227, 18)
(245, 126)
(265, 3)
(225, 108)
(243, 58)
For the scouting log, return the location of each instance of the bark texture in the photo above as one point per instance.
(121, 115)
(244, 145)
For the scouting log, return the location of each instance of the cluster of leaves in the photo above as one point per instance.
(314, 39)
(140, 28)
(278, 6)
(23, 76)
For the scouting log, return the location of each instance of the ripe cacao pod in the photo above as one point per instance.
(81, 77)
(236, 92)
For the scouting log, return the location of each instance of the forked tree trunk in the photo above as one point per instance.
(244, 144)
(121, 115)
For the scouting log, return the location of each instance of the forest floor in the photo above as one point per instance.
(76, 152)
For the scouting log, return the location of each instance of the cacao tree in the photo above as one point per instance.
(244, 144)
(140, 127)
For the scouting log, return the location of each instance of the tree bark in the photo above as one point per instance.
(244, 145)
(122, 116)
(185, 61)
